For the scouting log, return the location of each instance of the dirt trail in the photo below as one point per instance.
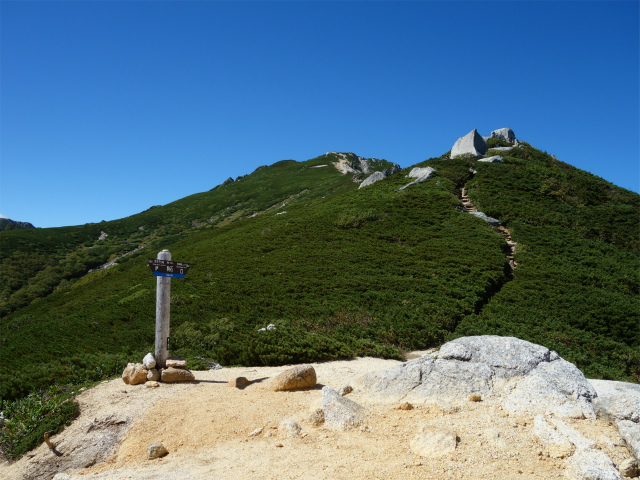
(205, 426)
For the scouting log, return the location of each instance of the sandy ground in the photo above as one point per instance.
(205, 426)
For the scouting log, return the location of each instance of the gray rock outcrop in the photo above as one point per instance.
(527, 377)
(472, 143)
(505, 134)
(617, 400)
(340, 413)
(373, 178)
(490, 220)
(420, 174)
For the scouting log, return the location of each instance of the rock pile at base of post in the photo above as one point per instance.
(138, 373)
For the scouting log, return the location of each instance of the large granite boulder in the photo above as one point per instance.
(472, 143)
(505, 134)
(527, 378)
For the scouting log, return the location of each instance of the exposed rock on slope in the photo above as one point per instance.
(373, 178)
(420, 175)
(352, 163)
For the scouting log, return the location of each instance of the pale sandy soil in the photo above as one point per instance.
(205, 426)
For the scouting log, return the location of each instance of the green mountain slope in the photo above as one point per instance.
(340, 271)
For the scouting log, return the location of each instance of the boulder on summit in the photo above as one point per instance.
(471, 143)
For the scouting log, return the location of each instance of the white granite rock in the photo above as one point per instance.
(420, 174)
(519, 372)
(490, 220)
(591, 465)
(149, 361)
(471, 143)
(493, 159)
(617, 400)
(340, 413)
(555, 444)
(373, 178)
(630, 432)
(433, 443)
(504, 134)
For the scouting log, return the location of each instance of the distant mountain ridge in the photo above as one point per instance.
(8, 224)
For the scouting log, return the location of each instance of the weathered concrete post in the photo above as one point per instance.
(163, 298)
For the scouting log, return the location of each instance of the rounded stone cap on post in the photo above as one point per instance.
(164, 255)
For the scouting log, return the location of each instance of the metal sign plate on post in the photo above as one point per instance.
(167, 268)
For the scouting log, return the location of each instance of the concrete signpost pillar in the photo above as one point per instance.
(163, 299)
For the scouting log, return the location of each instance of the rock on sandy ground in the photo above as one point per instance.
(206, 425)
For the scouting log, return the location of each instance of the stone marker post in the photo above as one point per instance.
(163, 297)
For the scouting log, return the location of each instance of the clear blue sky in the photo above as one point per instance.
(110, 107)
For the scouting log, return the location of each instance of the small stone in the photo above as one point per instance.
(256, 432)
(152, 384)
(153, 375)
(238, 382)
(629, 468)
(475, 397)
(404, 406)
(134, 374)
(156, 450)
(149, 361)
(279, 445)
(345, 390)
(433, 443)
(289, 429)
(176, 362)
(316, 418)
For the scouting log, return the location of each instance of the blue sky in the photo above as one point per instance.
(108, 108)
